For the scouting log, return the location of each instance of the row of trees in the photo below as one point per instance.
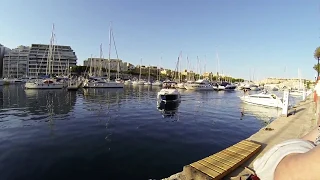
(154, 74)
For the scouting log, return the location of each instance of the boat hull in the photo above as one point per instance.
(266, 102)
(202, 88)
(103, 85)
(43, 86)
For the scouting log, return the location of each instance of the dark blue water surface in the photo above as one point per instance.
(115, 134)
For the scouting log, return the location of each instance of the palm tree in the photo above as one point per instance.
(317, 56)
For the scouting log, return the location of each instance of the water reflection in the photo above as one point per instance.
(57, 101)
(168, 109)
(265, 114)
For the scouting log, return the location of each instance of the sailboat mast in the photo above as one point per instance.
(90, 70)
(188, 68)
(100, 63)
(159, 69)
(109, 52)
(149, 74)
(140, 69)
(180, 68)
(49, 59)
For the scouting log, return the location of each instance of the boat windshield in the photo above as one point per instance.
(169, 85)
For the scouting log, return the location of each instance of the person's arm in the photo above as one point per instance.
(299, 166)
(312, 135)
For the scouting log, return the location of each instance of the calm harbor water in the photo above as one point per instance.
(116, 134)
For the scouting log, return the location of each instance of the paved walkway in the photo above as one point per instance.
(284, 128)
(294, 126)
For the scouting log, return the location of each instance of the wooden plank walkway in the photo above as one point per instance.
(220, 164)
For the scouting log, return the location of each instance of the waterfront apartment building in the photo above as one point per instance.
(96, 63)
(3, 50)
(15, 62)
(33, 61)
(62, 58)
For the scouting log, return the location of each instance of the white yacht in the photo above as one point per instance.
(254, 87)
(263, 99)
(119, 80)
(148, 83)
(138, 82)
(169, 93)
(199, 85)
(224, 86)
(187, 83)
(181, 85)
(128, 82)
(101, 83)
(157, 83)
(73, 85)
(296, 92)
(43, 84)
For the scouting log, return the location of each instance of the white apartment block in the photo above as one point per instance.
(15, 63)
(32, 60)
(96, 63)
(62, 58)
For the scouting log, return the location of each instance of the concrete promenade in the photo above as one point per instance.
(281, 129)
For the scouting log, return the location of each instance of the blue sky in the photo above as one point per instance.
(249, 35)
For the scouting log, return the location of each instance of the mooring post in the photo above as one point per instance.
(285, 104)
(304, 93)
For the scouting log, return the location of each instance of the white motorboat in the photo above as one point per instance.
(254, 87)
(73, 85)
(157, 83)
(101, 83)
(43, 84)
(181, 86)
(224, 86)
(296, 92)
(118, 80)
(128, 82)
(148, 83)
(199, 85)
(263, 99)
(187, 83)
(141, 82)
(169, 93)
(218, 87)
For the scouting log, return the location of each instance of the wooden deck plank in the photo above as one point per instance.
(245, 147)
(217, 158)
(238, 153)
(211, 166)
(220, 164)
(244, 152)
(204, 169)
(249, 143)
(232, 155)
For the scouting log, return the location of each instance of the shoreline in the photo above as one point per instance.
(283, 128)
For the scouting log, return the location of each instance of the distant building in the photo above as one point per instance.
(115, 64)
(15, 63)
(32, 60)
(63, 57)
(129, 65)
(3, 50)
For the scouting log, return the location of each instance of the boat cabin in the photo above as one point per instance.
(169, 85)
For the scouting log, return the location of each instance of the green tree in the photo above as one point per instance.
(317, 56)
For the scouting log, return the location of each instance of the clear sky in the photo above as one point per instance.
(263, 36)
